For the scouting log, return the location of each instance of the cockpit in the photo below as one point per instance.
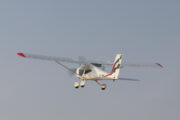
(82, 71)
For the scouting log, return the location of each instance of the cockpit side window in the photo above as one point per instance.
(80, 72)
(88, 71)
(85, 72)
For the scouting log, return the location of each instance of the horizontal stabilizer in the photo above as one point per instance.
(130, 79)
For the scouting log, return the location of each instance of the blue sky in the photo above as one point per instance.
(143, 31)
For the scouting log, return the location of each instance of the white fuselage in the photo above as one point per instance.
(91, 72)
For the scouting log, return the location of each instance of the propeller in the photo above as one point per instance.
(82, 59)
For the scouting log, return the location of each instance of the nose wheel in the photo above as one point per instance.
(103, 86)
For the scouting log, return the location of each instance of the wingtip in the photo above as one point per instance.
(21, 54)
(159, 65)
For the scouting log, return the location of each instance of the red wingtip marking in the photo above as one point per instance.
(21, 54)
(158, 64)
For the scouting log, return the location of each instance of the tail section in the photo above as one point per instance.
(116, 67)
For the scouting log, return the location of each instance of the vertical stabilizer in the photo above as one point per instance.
(115, 68)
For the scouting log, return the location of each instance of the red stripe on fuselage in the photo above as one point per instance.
(111, 70)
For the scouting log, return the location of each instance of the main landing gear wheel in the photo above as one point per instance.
(82, 83)
(103, 86)
(76, 85)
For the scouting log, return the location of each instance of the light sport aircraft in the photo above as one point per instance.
(91, 70)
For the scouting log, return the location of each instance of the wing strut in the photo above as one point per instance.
(67, 68)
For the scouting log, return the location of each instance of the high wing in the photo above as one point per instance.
(150, 65)
(79, 61)
(62, 59)
(49, 58)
